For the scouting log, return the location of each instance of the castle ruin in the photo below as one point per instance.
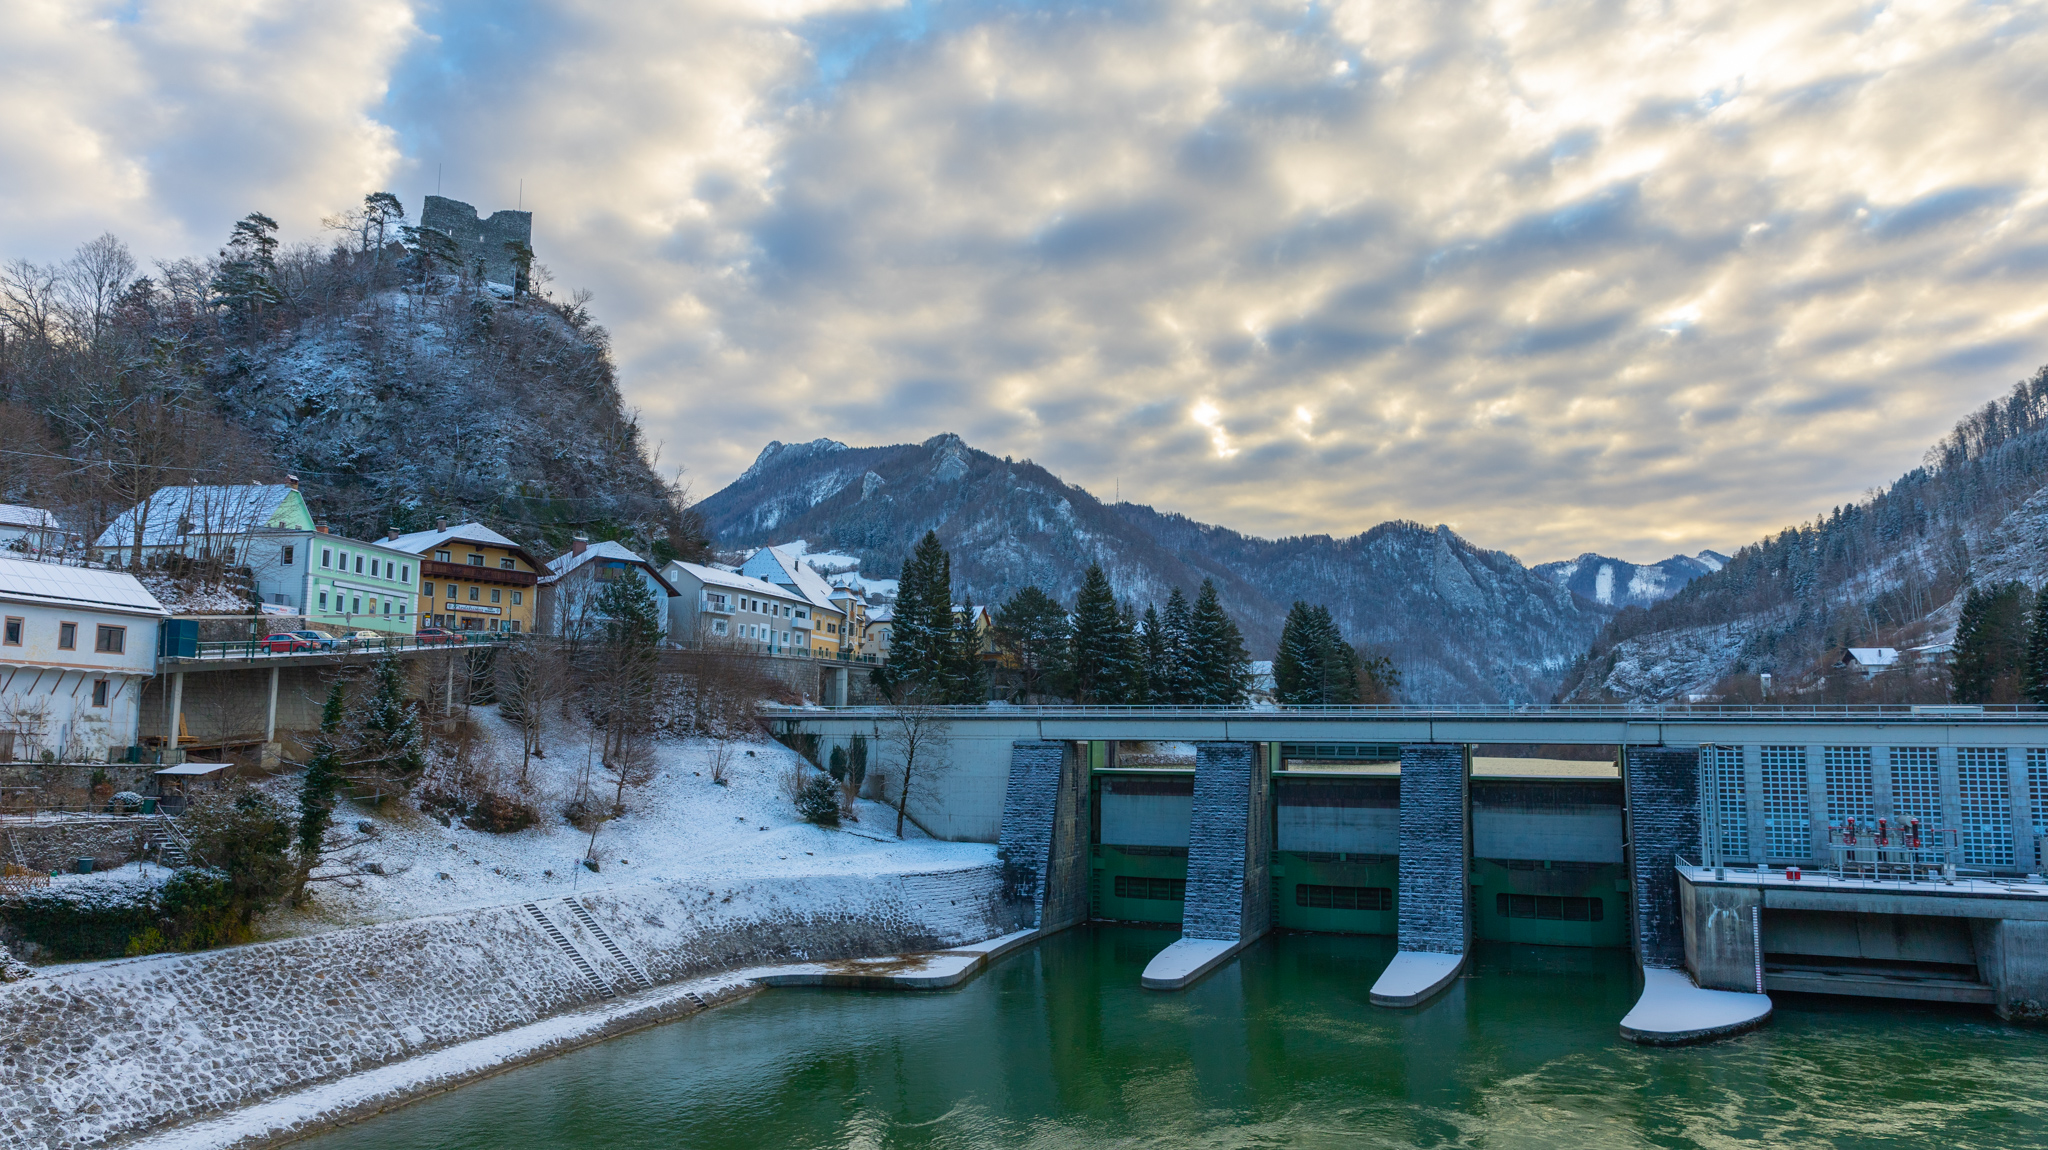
(495, 243)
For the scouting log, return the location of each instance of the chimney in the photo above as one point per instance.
(390, 533)
(322, 529)
(441, 523)
(577, 543)
(293, 480)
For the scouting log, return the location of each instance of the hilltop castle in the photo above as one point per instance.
(489, 242)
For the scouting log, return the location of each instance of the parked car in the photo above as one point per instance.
(360, 639)
(426, 636)
(287, 642)
(318, 640)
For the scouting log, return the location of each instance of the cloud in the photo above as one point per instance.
(1631, 278)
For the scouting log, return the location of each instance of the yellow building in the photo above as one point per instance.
(472, 578)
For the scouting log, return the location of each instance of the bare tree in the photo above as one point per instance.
(532, 677)
(91, 284)
(917, 733)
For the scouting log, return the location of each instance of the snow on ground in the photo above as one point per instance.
(680, 827)
(842, 570)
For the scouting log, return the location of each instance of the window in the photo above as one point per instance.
(476, 560)
(2037, 789)
(451, 590)
(1561, 908)
(1986, 792)
(518, 597)
(494, 595)
(358, 608)
(67, 636)
(1849, 790)
(323, 600)
(99, 692)
(1344, 897)
(387, 606)
(1916, 786)
(610, 571)
(718, 626)
(1140, 886)
(512, 625)
(441, 556)
(427, 589)
(287, 559)
(800, 613)
(1729, 802)
(506, 563)
(473, 596)
(109, 641)
(359, 565)
(13, 633)
(327, 557)
(1787, 820)
(405, 572)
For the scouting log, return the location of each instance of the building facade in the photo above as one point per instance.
(472, 579)
(209, 522)
(720, 608)
(825, 618)
(76, 646)
(574, 582)
(334, 583)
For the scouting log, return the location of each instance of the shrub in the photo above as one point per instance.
(501, 814)
(818, 802)
(90, 920)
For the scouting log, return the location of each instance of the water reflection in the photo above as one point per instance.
(1059, 1047)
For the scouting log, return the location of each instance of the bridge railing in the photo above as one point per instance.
(209, 652)
(1673, 712)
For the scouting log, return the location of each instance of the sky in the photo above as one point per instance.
(1635, 278)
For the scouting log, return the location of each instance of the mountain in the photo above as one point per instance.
(1464, 623)
(1619, 583)
(1891, 570)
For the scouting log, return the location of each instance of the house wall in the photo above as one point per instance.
(517, 606)
(46, 691)
(328, 593)
(570, 601)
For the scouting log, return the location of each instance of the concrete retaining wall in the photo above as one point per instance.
(1664, 819)
(94, 1054)
(56, 846)
(1229, 894)
(1434, 905)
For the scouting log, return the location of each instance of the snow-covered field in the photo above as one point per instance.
(679, 826)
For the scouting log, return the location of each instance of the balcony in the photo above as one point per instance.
(435, 569)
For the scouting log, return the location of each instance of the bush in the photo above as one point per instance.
(92, 920)
(501, 814)
(818, 802)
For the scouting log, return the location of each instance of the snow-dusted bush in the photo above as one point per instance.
(82, 920)
(819, 802)
(12, 970)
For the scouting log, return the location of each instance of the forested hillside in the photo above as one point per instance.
(393, 382)
(1887, 571)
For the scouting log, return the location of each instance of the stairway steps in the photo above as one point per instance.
(562, 942)
(583, 916)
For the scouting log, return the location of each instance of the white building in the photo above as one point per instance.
(715, 607)
(76, 645)
(204, 521)
(333, 582)
(570, 587)
(1869, 660)
(32, 531)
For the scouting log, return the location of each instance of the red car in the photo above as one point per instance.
(426, 636)
(284, 643)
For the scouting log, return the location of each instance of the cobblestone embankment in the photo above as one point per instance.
(94, 1055)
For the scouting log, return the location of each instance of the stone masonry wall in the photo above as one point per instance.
(1222, 871)
(1434, 903)
(1031, 803)
(481, 239)
(100, 1053)
(1663, 820)
(56, 846)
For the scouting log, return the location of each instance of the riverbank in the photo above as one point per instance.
(117, 1050)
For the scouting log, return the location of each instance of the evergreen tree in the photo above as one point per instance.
(1135, 690)
(322, 782)
(389, 747)
(1152, 641)
(2037, 652)
(1297, 665)
(1101, 647)
(1219, 669)
(1992, 644)
(1176, 641)
(246, 281)
(1033, 628)
(922, 647)
(969, 673)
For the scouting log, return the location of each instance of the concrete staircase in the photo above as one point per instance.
(561, 941)
(166, 843)
(605, 940)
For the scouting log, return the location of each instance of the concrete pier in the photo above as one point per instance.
(1044, 846)
(1229, 883)
(1435, 930)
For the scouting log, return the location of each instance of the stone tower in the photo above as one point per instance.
(482, 240)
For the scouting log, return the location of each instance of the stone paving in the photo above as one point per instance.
(89, 1055)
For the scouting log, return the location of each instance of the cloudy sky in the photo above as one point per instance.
(1633, 277)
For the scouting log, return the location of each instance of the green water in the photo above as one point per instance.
(1057, 1046)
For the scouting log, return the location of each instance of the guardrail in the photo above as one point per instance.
(1649, 713)
(264, 649)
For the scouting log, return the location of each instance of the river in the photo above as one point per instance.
(1058, 1046)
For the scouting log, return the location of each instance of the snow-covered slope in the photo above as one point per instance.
(1619, 583)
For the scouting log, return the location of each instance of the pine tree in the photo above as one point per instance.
(1033, 628)
(1220, 670)
(390, 748)
(922, 655)
(1992, 644)
(246, 281)
(1152, 641)
(2036, 678)
(1297, 665)
(969, 677)
(1177, 640)
(1136, 690)
(323, 780)
(1340, 667)
(1100, 646)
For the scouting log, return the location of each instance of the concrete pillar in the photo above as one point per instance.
(1753, 800)
(1817, 805)
(1881, 783)
(2022, 813)
(1044, 842)
(1951, 791)
(840, 677)
(270, 715)
(1720, 927)
(1230, 848)
(177, 711)
(1662, 785)
(448, 706)
(1435, 922)
(2012, 956)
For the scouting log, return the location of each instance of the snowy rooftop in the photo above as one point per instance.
(569, 561)
(207, 509)
(719, 577)
(16, 515)
(1872, 656)
(26, 580)
(421, 542)
(784, 567)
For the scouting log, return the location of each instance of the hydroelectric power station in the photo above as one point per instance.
(1887, 852)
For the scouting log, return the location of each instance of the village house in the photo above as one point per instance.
(827, 619)
(853, 608)
(570, 587)
(332, 582)
(1869, 661)
(208, 523)
(471, 578)
(32, 531)
(874, 636)
(76, 645)
(720, 608)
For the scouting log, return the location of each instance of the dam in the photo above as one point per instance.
(1876, 852)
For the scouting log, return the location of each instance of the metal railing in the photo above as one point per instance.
(264, 649)
(1629, 712)
(1882, 851)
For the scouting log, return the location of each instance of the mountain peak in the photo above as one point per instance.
(780, 452)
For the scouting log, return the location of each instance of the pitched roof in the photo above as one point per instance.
(569, 561)
(784, 567)
(1873, 656)
(421, 542)
(208, 509)
(16, 515)
(720, 577)
(55, 583)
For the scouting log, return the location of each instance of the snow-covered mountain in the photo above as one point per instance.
(1619, 583)
(1464, 623)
